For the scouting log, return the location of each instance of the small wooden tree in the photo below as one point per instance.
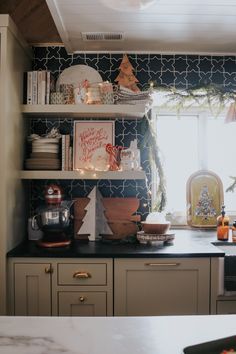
(95, 222)
(126, 77)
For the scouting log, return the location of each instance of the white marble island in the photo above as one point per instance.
(110, 335)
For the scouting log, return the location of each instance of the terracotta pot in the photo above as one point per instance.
(152, 228)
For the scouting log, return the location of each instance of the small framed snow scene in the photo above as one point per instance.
(90, 140)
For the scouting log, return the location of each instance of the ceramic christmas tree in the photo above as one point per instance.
(204, 206)
(95, 222)
(126, 77)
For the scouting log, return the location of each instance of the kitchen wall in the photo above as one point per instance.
(182, 71)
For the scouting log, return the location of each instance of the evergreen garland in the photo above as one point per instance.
(150, 141)
(211, 96)
(232, 186)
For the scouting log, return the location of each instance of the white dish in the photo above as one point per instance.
(76, 74)
(154, 239)
(46, 140)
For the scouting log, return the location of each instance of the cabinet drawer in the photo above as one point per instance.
(226, 307)
(82, 274)
(82, 303)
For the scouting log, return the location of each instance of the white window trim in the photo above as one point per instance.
(203, 162)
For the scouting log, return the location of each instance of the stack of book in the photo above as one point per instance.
(38, 87)
(45, 155)
(66, 153)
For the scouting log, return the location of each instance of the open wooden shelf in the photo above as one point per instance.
(83, 175)
(126, 111)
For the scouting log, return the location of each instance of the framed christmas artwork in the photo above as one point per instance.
(204, 199)
(89, 146)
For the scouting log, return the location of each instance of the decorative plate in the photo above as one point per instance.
(204, 199)
(76, 74)
(153, 238)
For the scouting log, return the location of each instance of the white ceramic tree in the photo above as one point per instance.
(95, 222)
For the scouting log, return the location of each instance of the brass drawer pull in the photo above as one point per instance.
(48, 270)
(82, 275)
(162, 264)
(82, 298)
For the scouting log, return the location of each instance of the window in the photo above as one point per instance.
(192, 142)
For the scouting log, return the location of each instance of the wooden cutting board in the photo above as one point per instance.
(119, 213)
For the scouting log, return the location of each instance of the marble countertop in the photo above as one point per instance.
(110, 335)
(187, 243)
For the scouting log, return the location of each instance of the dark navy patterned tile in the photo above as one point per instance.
(192, 78)
(205, 78)
(143, 62)
(167, 78)
(205, 64)
(40, 64)
(179, 70)
(180, 65)
(155, 65)
(181, 80)
(167, 63)
(218, 64)
(217, 77)
(65, 63)
(230, 65)
(230, 80)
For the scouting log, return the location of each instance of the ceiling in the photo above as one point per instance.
(167, 26)
(33, 19)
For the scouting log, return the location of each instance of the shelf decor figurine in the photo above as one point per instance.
(204, 199)
(94, 222)
(126, 77)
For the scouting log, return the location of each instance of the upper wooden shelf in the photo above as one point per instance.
(83, 175)
(127, 111)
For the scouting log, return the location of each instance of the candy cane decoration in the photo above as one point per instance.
(113, 154)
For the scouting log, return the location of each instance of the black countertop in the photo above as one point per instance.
(187, 243)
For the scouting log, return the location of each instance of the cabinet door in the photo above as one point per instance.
(225, 307)
(82, 303)
(161, 287)
(32, 293)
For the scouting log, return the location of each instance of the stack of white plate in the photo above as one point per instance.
(44, 156)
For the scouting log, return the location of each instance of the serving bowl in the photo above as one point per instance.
(155, 227)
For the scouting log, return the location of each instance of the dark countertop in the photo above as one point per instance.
(187, 243)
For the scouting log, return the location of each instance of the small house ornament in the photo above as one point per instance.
(130, 158)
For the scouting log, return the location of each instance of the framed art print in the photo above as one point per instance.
(90, 139)
(204, 199)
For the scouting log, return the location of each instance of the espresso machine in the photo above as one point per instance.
(53, 219)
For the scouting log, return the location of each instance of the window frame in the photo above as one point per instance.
(202, 115)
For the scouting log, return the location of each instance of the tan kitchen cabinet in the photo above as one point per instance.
(64, 287)
(170, 286)
(31, 289)
(82, 303)
(226, 307)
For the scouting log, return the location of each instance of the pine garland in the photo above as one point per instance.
(232, 186)
(150, 141)
(211, 96)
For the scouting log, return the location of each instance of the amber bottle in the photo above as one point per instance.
(223, 226)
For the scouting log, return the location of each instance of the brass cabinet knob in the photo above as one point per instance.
(82, 298)
(48, 270)
(82, 275)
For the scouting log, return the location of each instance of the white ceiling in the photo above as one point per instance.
(168, 26)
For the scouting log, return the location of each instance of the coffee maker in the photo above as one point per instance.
(53, 219)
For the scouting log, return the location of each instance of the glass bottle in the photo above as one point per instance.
(223, 226)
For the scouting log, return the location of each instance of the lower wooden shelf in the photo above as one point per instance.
(82, 175)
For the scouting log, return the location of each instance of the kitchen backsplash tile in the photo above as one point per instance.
(182, 71)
